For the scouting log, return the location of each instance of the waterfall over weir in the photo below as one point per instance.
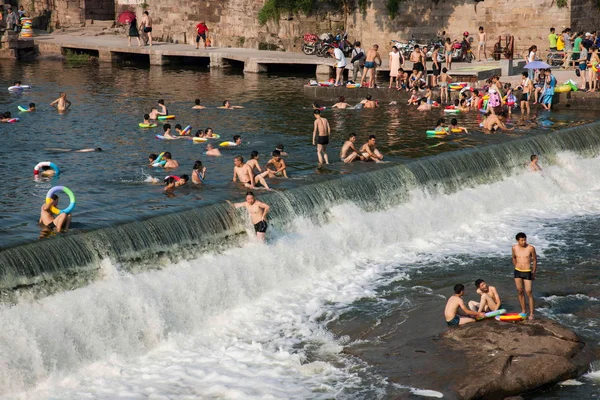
(143, 244)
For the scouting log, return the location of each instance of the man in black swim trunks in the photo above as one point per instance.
(416, 57)
(321, 126)
(147, 27)
(258, 213)
(60, 223)
(524, 260)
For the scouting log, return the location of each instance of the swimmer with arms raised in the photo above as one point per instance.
(455, 304)
(490, 299)
(60, 223)
(524, 260)
(61, 104)
(257, 210)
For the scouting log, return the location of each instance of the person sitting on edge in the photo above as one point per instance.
(278, 169)
(257, 210)
(349, 153)
(455, 304)
(490, 299)
(341, 103)
(533, 165)
(370, 152)
(170, 164)
(197, 105)
(153, 114)
(253, 162)
(61, 104)
(279, 148)
(60, 223)
(163, 108)
(495, 123)
(243, 173)
(173, 181)
(227, 106)
(212, 151)
(414, 97)
(198, 173)
(454, 126)
(368, 102)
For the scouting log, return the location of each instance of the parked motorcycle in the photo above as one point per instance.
(311, 42)
(555, 58)
(462, 52)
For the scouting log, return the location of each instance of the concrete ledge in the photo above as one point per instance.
(254, 67)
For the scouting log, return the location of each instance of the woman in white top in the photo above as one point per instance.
(394, 66)
(531, 58)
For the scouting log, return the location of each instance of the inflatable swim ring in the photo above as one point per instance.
(159, 162)
(436, 133)
(512, 317)
(65, 190)
(452, 111)
(595, 67)
(199, 140)
(215, 136)
(36, 169)
(23, 109)
(186, 130)
(142, 125)
(562, 88)
(163, 117)
(456, 130)
(491, 314)
(227, 144)
(16, 88)
(353, 85)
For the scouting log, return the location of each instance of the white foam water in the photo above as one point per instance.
(251, 322)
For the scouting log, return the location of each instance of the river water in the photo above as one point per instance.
(349, 247)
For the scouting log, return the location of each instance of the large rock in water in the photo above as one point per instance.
(484, 360)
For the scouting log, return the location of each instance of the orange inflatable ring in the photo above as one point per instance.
(512, 317)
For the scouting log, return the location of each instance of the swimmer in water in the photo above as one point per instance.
(197, 105)
(212, 151)
(441, 126)
(454, 126)
(455, 304)
(423, 105)
(31, 107)
(227, 106)
(208, 133)
(179, 130)
(257, 210)
(279, 148)
(368, 102)
(152, 159)
(61, 104)
(167, 132)
(495, 123)
(237, 139)
(253, 162)
(60, 223)
(533, 165)
(163, 109)
(170, 164)
(7, 116)
(243, 173)
(73, 150)
(47, 172)
(153, 114)
(198, 173)
(147, 119)
(341, 104)
(173, 181)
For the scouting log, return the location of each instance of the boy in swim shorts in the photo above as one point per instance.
(257, 210)
(455, 304)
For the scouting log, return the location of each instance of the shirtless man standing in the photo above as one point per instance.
(524, 260)
(321, 125)
(533, 165)
(349, 152)
(147, 27)
(454, 304)
(48, 220)
(243, 173)
(490, 299)
(61, 104)
(371, 67)
(370, 152)
(257, 210)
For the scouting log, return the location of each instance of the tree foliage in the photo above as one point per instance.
(273, 9)
(392, 7)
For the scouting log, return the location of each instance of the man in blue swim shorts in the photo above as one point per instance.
(371, 66)
(454, 304)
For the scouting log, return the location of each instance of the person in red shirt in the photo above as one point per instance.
(201, 32)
